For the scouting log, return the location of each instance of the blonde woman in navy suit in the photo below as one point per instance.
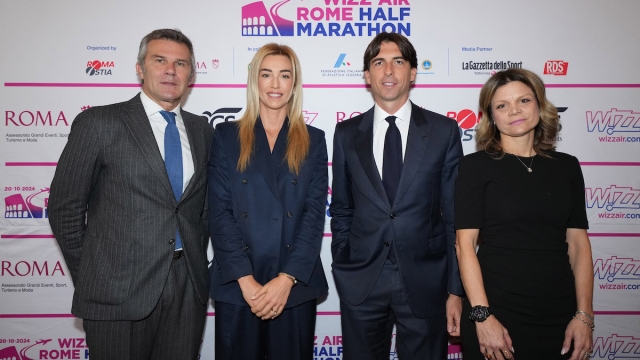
(268, 184)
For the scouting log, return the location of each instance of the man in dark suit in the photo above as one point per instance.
(393, 247)
(127, 208)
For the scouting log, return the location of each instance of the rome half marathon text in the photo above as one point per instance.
(352, 20)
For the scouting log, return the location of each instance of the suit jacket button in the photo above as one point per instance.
(244, 214)
(244, 181)
(246, 248)
(393, 216)
(294, 181)
(289, 214)
(386, 243)
(172, 241)
(177, 209)
(288, 247)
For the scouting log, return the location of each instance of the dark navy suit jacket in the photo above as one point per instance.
(419, 224)
(266, 219)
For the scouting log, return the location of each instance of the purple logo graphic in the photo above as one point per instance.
(33, 207)
(309, 116)
(12, 353)
(616, 347)
(616, 268)
(613, 121)
(215, 63)
(257, 21)
(613, 197)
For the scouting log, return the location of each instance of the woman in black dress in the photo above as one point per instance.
(530, 285)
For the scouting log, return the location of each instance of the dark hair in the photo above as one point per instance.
(487, 134)
(166, 34)
(407, 50)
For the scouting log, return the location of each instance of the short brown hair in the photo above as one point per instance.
(166, 34)
(406, 48)
(488, 135)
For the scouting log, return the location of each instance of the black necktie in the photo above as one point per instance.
(391, 169)
(392, 159)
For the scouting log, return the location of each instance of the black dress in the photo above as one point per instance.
(523, 218)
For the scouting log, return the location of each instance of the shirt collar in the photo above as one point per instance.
(151, 107)
(403, 114)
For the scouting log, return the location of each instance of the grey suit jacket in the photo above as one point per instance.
(114, 215)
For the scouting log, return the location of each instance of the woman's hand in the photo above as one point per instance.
(582, 337)
(494, 339)
(249, 287)
(271, 298)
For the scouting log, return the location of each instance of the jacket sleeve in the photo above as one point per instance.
(341, 207)
(449, 174)
(226, 239)
(308, 238)
(71, 188)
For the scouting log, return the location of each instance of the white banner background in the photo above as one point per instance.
(47, 47)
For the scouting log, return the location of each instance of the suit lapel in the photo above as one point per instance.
(364, 149)
(262, 156)
(138, 123)
(416, 150)
(197, 146)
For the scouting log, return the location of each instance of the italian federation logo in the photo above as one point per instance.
(258, 21)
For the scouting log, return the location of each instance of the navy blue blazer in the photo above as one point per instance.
(419, 224)
(266, 219)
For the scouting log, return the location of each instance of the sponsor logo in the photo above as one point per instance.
(361, 18)
(615, 269)
(33, 206)
(616, 347)
(215, 63)
(615, 123)
(309, 116)
(63, 348)
(29, 268)
(341, 68)
(454, 352)
(427, 64)
(619, 202)
(556, 67)
(490, 67)
(86, 107)
(97, 67)
(341, 62)
(328, 347)
(201, 67)
(221, 115)
(345, 115)
(467, 121)
(35, 118)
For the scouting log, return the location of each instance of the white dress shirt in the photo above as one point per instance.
(380, 126)
(159, 124)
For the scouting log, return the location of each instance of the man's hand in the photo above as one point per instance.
(454, 312)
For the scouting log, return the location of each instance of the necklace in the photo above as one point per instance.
(269, 135)
(528, 167)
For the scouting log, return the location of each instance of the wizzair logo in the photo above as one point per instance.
(613, 121)
(616, 268)
(309, 116)
(613, 197)
(616, 347)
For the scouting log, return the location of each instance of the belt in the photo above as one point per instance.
(177, 254)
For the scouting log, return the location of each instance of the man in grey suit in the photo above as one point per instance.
(127, 208)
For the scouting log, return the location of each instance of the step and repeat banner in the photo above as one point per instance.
(62, 57)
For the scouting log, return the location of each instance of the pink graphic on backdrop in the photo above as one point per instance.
(257, 21)
(12, 353)
(33, 207)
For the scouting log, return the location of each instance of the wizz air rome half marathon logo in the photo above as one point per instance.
(68, 348)
(327, 18)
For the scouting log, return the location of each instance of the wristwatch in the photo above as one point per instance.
(479, 313)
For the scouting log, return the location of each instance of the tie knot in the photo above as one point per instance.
(169, 116)
(391, 119)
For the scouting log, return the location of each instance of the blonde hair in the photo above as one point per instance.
(488, 135)
(298, 138)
